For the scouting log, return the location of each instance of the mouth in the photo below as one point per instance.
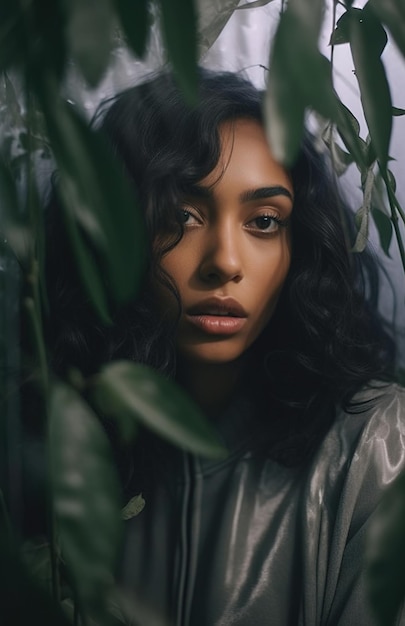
(217, 316)
(218, 307)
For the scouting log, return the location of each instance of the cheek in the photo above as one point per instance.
(173, 266)
(276, 281)
(179, 262)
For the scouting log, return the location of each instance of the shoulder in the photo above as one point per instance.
(374, 423)
(366, 445)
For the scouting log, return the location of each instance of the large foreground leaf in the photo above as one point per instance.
(100, 208)
(135, 393)
(86, 495)
(135, 20)
(89, 36)
(22, 599)
(299, 77)
(179, 21)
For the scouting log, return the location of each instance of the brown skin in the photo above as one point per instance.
(235, 245)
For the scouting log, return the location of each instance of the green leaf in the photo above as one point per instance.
(363, 214)
(396, 111)
(131, 392)
(339, 157)
(89, 35)
(349, 129)
(384, 228)
(136, 21)
(179, 22)
(299, 77)
(392, 13)
(98, 200)
(133, 507)
(341, 33)
(367, 40)
(86, 495)
(385, 554)
(391, 181)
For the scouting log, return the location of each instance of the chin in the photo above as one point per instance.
(210, 354)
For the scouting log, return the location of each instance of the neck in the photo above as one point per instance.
(210, 385)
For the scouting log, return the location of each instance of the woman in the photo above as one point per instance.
(254, 304)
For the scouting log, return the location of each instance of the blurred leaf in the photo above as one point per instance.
(22, 600)
(385, 554)
(299, 77)
(88, 269)
(392, 13)
(136, 21)
(13, 107)
(13, 226)
(211, 21)
(89, 35)
(384, 228)
(396, 111)
(86, 495)
(12, 44)
(99, 204)
(179, 23)
(284, 104)
(32, 33)
(367, 40)
(130, 392)
(37, 559)
(363, 214)
(133, 507)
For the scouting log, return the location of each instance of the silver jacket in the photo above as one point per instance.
(246, 541)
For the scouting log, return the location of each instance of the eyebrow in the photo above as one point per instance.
(198, 191)
(264, 192)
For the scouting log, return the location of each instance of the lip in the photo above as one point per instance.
(221, 307)
(217, 316)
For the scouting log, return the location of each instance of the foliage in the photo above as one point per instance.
(38, 41)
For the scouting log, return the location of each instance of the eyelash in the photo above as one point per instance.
(274, 219)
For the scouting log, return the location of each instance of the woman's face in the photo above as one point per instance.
(233, 259)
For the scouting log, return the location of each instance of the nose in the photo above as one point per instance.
(222, 256)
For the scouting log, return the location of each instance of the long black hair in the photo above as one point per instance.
(325, 340)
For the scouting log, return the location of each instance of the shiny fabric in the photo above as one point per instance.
(247, 541)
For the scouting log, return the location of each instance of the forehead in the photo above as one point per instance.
(246, 158)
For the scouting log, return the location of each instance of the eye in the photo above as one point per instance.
(265, 224)
(188, 217)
